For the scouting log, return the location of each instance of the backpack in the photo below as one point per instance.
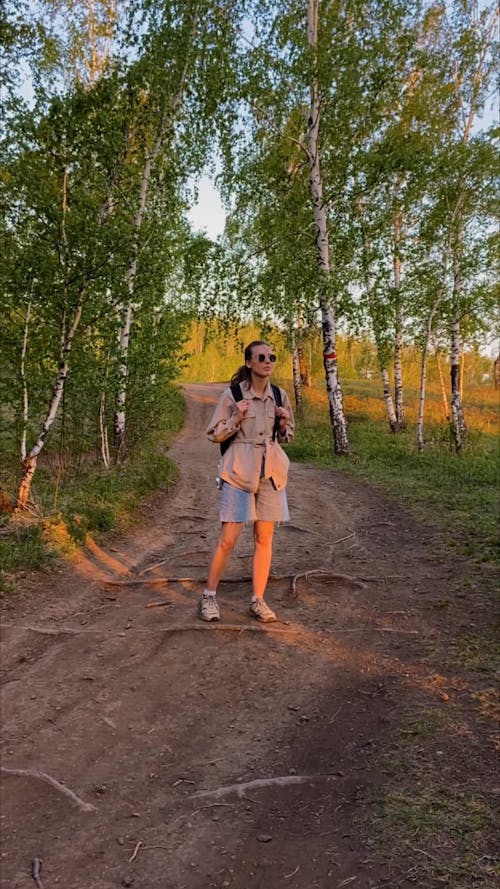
(238, 396)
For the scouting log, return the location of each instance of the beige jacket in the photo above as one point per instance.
(253, 449)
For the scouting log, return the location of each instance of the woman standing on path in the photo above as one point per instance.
(253, 473)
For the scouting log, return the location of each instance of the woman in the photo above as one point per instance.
(253, 473)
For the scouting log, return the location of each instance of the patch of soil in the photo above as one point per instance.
(229, 755)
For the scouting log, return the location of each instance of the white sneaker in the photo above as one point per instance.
(208, 608)
(261, 611)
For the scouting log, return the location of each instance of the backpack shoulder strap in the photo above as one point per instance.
(236, 392)
(277, 395)
(238, 396)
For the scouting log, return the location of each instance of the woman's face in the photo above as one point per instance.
(262, 361)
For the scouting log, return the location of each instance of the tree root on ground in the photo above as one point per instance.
(281, 781)
(42, 776)
(324, 573)
(203, 627)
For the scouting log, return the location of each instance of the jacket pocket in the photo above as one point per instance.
(279, 466)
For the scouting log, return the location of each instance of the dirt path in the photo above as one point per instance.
(228, 755)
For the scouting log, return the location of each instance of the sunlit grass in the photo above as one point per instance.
(456, 492)
(434, 822)
(93, 501)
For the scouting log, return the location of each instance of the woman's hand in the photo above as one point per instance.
(241, 409)
(283, 415)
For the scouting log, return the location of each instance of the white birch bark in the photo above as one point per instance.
(67, 338)
(25, 383)
(468, 113)
(167, 121)
(398, 328)
(458, 424)
(389, 403)
(30, 461)
(103, 430)
(328, 321)
(297, 382)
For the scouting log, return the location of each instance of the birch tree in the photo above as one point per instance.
(186, 55)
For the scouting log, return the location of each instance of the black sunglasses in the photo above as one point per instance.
(262, 358)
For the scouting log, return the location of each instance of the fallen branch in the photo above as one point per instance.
(281, 781)
(36, 870)
(42, 776)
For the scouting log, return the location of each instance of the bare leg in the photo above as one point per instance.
(262, 555)
(227, 541)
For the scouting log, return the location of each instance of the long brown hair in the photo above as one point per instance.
(244, 374)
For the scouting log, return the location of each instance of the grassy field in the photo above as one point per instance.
(457, 492)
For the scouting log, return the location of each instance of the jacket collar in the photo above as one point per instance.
(253, 394)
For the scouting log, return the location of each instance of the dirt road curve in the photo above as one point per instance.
(228, 755)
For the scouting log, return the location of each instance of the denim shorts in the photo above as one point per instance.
(266, 505)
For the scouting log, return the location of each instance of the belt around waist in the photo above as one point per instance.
(260, 443)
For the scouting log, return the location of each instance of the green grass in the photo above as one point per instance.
(92, 502)
(441, 834)
(458, 493)
(434, 822)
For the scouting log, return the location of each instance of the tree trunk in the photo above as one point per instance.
(24, 383)
(121, 398)
(398, 329)
(328, 321)
(421, 398)
(103, 431)
(166, 123)
(23, 493)
(304, 369)
(30, 461)
(446, 408)
(297, 382)
(386, 388)
(304, 366)
(458, 424)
